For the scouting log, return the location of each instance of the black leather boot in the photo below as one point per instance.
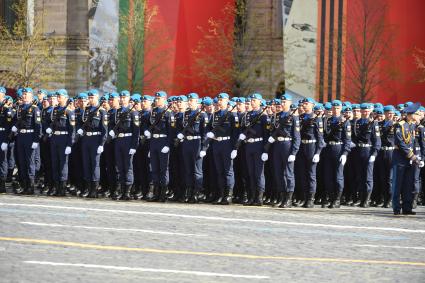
(227, 196)
(125, 192)
(155, 194)
(387, 201)
(336, 202)
(325, 202)
(163, 193)
(280, 199)
(60, 192)
(219, 197)
(288, 200)
(186, 194)
(365, 200)
(93, 190)
(193, 198)
(114, 191)
(309, 203)
(258, 201)
(137, 192)
(85, 185)
(415, 200)
(2, 186)
(9, 175)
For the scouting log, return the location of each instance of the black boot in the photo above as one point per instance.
(288, 200)
(85, 185)
(387, 201)
(250, 197)
(93, 190)
(280, 199)
(9, 175)
(61, 189)
(186, 194)
(193, 198)
(2, 186)
(163, 193)
(325, 202)
(137, 192)
(219, 198)
(227, 196)
(125, 192)
(115, 191)
(336, 202)
(309, 203)
(366, 200)
(258, 201)
(155, 194)
(415, 200)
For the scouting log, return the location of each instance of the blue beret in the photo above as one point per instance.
(286, 97)
(293, 106)
(7, 97)
(256, 96)
(2, 89)
(248, 99)
(346, 109)
(241, 100)
(400, 106)
(234, 99)
(318, 107)
(182, 98)
(412, 108)
(378, 105)
(43, 91)
(263, 102)
(147, 97)
(207, 101)
(328, 106)
(125, 93)
(82, 95)
(389, 108)
(171, 99)
(269, 102)
(104, 97)
(161, 93)
(309, 100)
(366, 106)
(379, 111)
(407, 104)
(422, 109)
(232, 103)
(136, 98)
(71, 99)
(223, 95)
(397, 113)
(276, 101)
(27, 89)
(355, 106)
(113, 95)
(62, 92)
(337, 103)
(215, 100)
(347, 103)
(52, 94)
(93, 92)
(193, 96)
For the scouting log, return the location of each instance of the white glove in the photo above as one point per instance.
(99, 149)
(202, 153)
(14, 129)
(210, 135)
(316, 158)
(132, 151)
(80, 132)
(343, 159)
(149, 154)
(147, 134)
(242, 137)
(4, 146)
(112, 133)
(291, 158)
(67, 150)
(421, 164)
(372, 159)
(34, 145)
(264, 157)
(233, 154)
(180, 136)
(271, 140)
(48, 131)
(165, 149)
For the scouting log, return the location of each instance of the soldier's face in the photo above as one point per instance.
(240, 107)
(27, 97)
(365, 113)
(159, 101)
(389, 115)
(62, 99)
(336, 110)
(278, 108)
(286, 104)
(193, 103)
(40, 96)
(1, 96)
(255, 103)
(308, 107)
(93, 100)
(222, 103)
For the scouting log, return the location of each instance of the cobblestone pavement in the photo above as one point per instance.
(77, 240)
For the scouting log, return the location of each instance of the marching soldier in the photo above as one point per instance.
(6, 117)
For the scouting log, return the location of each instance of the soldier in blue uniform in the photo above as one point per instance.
(6, 117)
(61, 130)
(27, 128)
(93, 132)
(158, 132)
(126, 134)
(191, 139)
(420, 152)
(240, 194)
(338, 140)
(311, 130)
(405, 159)
(222, 135)
(368, 143)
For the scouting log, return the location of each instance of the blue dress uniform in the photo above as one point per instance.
(405, 159)
(368, 143)
(312, 142)
(191, 145)
(28, 125)
(159, 149)
(94, 122)
(126, 142)
(111, 173)
(384, 159)
(338, 140)
(45, 153)
(286, 139)
(225, 135)
(62, 131)
(240, 194)
(6, 117)
(420, 152)
(176, 172)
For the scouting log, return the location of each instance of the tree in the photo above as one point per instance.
(365, 50)
(28, 58)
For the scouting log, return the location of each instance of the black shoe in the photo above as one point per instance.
(155, 195)
(288, 200)
(30, 187)
(408, 212)
(93, 190)
(115, 192)
(163, 194)
(366, 200)
(2, 186)
(125, 192)
(280, 200)
(336, 203)
(309, 203)
(396, 212)
(258, 201)
(415, 200)
(227, 197)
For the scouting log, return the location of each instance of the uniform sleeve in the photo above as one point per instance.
(422, 141)
(265, 121)
(296, 136)
(103, 127)
(202, 129)
(346, 138)
(234, 131)
(71, 128)
(37, 124)
(376, 139)
(320, 142)
(135, 125)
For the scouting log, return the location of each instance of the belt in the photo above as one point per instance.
(418, 148)
(283, 139)
(2, 129)
(25, 131)
(388, 148)
(222, 138)
(156, 136)
(58, 133)
(189, 138)
(308, 141)
(92, 134)
(252, 140)
(335, 143)
(364, 145)
(121, 135)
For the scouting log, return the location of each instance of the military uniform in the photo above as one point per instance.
(6, 117)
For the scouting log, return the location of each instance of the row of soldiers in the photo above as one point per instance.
(221, 150)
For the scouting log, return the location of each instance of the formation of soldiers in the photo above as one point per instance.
(242, 150)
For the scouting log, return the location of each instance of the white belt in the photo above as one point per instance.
(283, 139)
(251, 140)
(335, 143)
(418, 148)
(222, 138)
(58, 133)
(25, 131)
(121, 135)
(388, 148)
(155, 136)
(308, 141)
(92, 134)
(364, 145)
(189, 138)
(2, 129)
